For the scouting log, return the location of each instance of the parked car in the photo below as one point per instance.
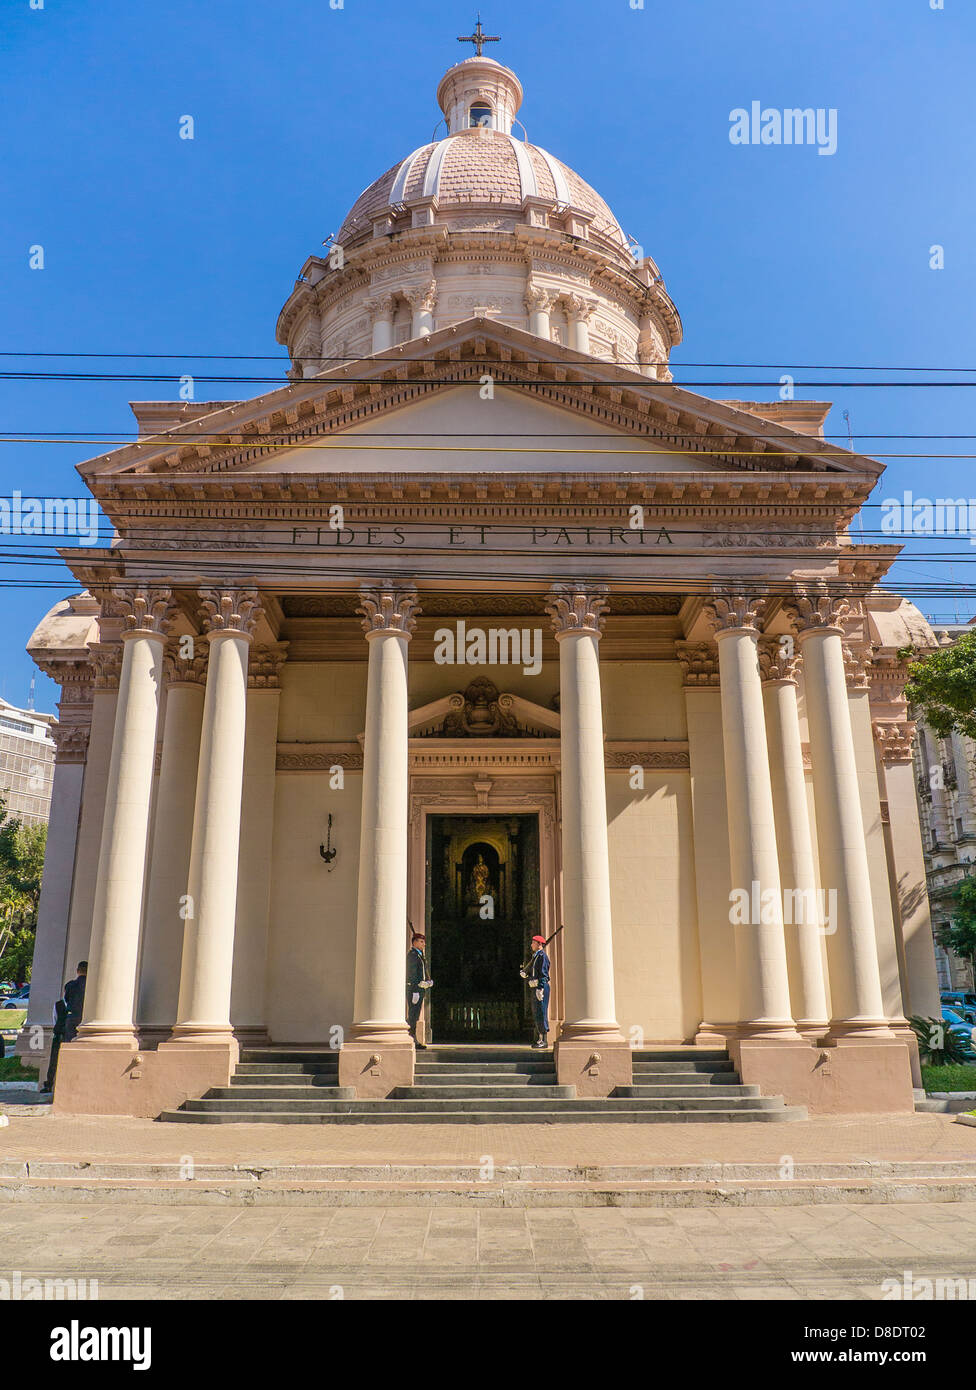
(16, 1001)
(959, 1027)
(963, 1001)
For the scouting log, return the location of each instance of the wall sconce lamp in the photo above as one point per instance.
(326, 850)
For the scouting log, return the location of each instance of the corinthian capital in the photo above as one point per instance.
(728, 611)
(699, 663)
(107, 660)
(264, 666)
(580, 307)
(538, 299)
(388, 607)
(185, 670)
(778, 659)
(814, 609)
(576, 608)
(422, 296)
(230, 610)
(144, 608)
(381, 304)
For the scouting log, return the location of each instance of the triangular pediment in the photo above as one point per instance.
(478, 398)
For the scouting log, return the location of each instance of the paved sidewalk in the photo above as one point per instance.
(810, 1253)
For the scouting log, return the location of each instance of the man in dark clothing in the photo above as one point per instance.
(74, 998)
(417, 985)
(537, 975)
(57, 1038)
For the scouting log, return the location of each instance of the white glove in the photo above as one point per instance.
(524, 974)
(415, 998)
(540, 995)
(426, 984)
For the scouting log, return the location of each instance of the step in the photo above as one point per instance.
(463, 1076)
(382, 1115)
(287, 1069)
(224, 1097)
(491, 1092)
(327, 1080)
(706, 1079)
(683, 1090)
(540, 1063)
(681, 1054)
(287, 1094)
(327, 1055)
(689, 1068)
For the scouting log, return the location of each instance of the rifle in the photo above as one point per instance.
(525, 964)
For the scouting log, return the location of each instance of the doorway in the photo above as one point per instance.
(483, 907)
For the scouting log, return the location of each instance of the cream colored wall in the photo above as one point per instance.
(312, 941)
(643, 700)
(322, 701)
(312, 936)
(657, 971)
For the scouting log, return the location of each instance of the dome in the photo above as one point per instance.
(480, 168)
(480, 222)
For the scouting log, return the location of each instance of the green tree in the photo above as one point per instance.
(21, 867)
(960, 934)
(942, 687)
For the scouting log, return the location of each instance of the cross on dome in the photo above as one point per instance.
(479, 38)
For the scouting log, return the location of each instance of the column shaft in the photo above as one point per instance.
(117, 919)
(855, 981)
(162, 946)
(208, 945)
(381, 917)
(764, 995)
(798, 877)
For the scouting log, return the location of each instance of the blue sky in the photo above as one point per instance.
(772, 254)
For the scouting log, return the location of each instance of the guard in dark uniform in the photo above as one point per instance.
(417, 985)
(74, 998)
(537, 974)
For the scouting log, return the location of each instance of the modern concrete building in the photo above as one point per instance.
(26, 762)
(487, 605)
(946, 777)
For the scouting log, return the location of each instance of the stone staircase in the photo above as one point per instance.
(483, 1085)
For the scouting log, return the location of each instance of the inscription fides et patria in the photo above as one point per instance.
(493, 536)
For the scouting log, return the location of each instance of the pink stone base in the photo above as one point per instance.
(847, 1077)
(594, 1067)
(375, 1068)
(94, 1079)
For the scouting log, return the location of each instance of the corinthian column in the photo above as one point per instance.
(804, 940)
(855, 979)
(203, 1012)
(764, 992)
(422, 300)
(378, 1054)
(538, 303)
(382, 310)
(580, 311)
(116, 923)
(591, 1029)
(162, 946)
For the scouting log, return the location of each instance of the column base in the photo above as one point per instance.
(594, 1060)
(869, 1076)
(377, 1062)
(95, 1078)
(33, 1046)
(252, 1035)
